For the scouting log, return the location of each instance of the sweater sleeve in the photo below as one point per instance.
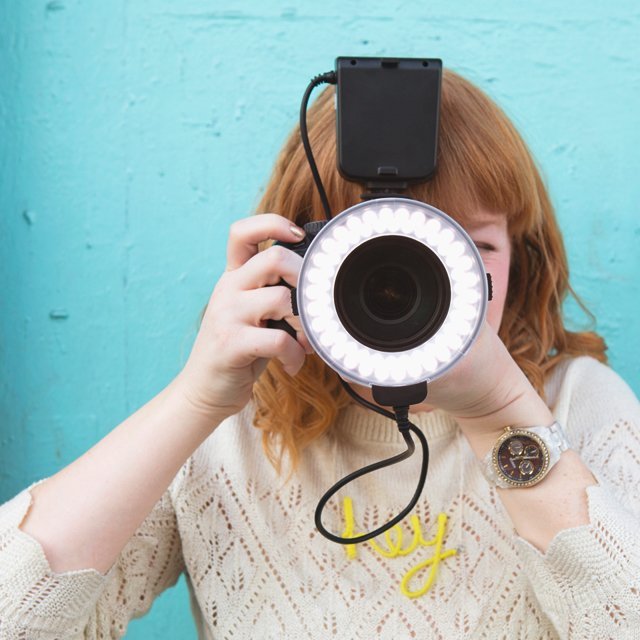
(588, 582)
(38, 604)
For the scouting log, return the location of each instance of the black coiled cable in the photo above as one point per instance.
(401, 416)
(329, 78)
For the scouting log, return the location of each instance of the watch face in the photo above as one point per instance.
(521, 458)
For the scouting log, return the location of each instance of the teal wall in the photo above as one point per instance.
(134, 131)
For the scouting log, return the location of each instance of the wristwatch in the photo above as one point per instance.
(522, 457)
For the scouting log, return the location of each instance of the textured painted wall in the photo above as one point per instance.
(133, 132)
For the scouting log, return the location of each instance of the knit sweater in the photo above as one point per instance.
(257, 568)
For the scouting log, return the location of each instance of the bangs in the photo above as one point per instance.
(483, 163)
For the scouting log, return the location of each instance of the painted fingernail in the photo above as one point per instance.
(297, 231)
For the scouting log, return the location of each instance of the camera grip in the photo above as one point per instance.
(283, 324)
(311, 229)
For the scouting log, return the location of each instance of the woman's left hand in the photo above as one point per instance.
(487, 391)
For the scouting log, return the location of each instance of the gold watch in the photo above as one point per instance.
(523, 456)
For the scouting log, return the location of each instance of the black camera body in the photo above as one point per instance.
(300, 248)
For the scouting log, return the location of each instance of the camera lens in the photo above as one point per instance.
(392, 293)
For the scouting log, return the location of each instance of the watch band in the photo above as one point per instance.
(555, 438)
(545, 445)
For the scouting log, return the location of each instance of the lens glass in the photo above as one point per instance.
(389, 293)
(392, 293)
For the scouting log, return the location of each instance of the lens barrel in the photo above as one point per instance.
(392, 293)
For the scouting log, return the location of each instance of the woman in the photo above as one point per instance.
(184, 483)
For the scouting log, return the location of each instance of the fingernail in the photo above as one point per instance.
(297, 231)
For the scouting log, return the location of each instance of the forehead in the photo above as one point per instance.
(485, 220)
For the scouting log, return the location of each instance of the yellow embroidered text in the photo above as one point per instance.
(395, 547)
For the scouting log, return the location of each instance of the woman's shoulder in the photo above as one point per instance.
(584, 393)
(583, 377)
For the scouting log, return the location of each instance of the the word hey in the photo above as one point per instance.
(394, 542)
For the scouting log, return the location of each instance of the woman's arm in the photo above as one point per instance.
(502, 396)
(111, 510)
(84, 514)
(579, 540)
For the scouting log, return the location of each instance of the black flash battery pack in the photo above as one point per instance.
(387, 119)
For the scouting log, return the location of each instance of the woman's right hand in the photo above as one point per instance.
(234, 345)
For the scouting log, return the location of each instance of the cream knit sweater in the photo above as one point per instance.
(257, 568)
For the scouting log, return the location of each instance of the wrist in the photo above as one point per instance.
(202, 415)
(523, 408)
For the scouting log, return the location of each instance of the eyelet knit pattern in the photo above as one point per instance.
(257, 568)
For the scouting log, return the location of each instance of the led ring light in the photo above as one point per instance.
(392, 292)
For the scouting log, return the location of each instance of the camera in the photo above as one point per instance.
(391, 294)
(392, 291)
